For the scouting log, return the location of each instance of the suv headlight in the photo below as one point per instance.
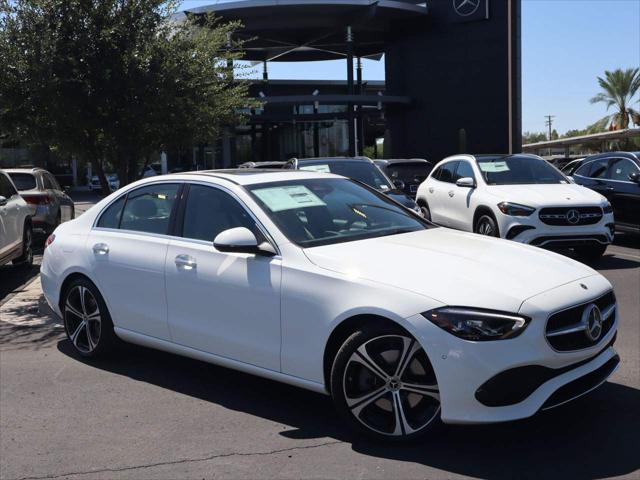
(515, 209)
(477, 325)
(607, 208)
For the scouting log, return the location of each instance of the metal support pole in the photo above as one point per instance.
(350, 119)
(360, 119)
(265, 72)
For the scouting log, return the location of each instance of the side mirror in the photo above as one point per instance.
(466, 182)
(399, 184)
(241, 240)
(634, 177)
(3, 201)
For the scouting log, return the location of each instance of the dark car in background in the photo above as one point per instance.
(406, 174)
(572, 166)
(50, 205)
(361, 169)
(616, 175)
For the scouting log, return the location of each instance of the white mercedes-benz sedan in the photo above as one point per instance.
(321, 282)
(517, 197)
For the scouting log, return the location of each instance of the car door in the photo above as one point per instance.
(227, 304)
(443, 190)
(127, 250)
(625, 194)
(459, 211)
(11, 216)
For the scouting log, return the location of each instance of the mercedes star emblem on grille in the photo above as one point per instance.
(573, 216)
(592, 319)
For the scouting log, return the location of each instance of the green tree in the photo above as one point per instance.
(115, 80)
(533, 137)
(618, 89)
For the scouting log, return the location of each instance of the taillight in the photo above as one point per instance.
(49, 240)
(38, 199)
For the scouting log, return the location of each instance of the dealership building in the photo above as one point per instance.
(452, 78)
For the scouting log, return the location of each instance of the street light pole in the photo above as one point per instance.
(549, 123)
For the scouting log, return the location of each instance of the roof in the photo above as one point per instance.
(333, 159)
(630, 155)
(392, 161)
(565, 142)
(308, 30)
(248, 176)
(24, 170)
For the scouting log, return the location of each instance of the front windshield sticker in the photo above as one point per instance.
(278, 199)
(493, 167)
(316, 168)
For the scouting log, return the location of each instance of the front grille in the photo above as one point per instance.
(570, 216)
(566, 330)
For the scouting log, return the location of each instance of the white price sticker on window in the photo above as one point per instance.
(292, 197)
(316, 168)
(493, 167)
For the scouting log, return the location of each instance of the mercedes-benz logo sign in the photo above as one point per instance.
(464, 8)
(573, 216)
(592, 320)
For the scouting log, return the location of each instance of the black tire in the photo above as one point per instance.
(487, 225)
(99, 338)
(591, 252)
(371, 403)
(426, 213)
(26, 259)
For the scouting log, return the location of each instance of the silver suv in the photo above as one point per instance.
(15, 225)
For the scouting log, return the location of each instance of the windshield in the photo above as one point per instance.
(318, 212)
(517, 170)
(408, 172)
(362, 171)
(23, 181)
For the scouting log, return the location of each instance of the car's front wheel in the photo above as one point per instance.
(384, 385)
(486, 225)
(26, 259)
(87, 322)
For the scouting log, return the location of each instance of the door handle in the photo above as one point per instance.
(430, 189)
(186, 262)
(101, 249)
(451, 193)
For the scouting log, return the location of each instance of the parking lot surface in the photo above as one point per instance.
(148, 414)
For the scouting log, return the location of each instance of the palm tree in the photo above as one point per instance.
(619, 87)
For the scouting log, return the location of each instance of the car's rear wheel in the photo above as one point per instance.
(486, 225)
(26, 259)
(86, 319)
(591, 252)
(384, 385)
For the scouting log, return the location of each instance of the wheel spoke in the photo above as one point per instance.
(71, 309)
(74, 336)
(94, 317)
(402, 426)
(361, 356)
(82, 304)
(410, 348)
(424, 390)
(90, 341)
(358, 404)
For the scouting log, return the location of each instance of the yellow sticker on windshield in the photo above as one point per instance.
(292, 197)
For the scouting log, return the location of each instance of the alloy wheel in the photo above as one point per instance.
(486, 228)
(28, 246)
(82, 319)
(390, 387)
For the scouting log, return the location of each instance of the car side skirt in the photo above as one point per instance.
(170, 347)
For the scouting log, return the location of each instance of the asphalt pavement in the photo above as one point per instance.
(148, 414)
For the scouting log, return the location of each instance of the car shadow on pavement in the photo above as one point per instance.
(592, 437)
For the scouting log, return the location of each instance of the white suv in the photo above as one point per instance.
(15, 225)
(517, 197)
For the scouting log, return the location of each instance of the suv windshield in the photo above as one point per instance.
(326, 211)
(518, 170)
(408, 172)
(23, 181)
(363, 171)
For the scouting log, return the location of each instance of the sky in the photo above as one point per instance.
(566, 45)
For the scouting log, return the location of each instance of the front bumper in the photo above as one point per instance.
(463, 367)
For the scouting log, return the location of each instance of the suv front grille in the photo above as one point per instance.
(571, 216)
(568, 330)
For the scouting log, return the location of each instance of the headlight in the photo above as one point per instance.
(515, 209)
(607, 208)
(477, 325)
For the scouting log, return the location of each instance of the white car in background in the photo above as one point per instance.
(318, 281)
(517, 197)
(112, 179)
(16, 231)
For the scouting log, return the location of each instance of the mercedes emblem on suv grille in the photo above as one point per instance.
(573, 216)
(592, 320)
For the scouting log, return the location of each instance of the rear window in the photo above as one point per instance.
(408, 172)
(23, 181)
(362, 171)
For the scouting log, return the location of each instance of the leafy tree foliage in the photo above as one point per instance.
(115, 80)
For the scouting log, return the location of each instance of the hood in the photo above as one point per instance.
(556, 195)
(455, 268)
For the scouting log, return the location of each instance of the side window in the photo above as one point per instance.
(6, 189)
(210, 211)
(620, 169)
(148, 209)
(464, 170)
(582, 170)
(53, 181)
(436, 174)
(111, 216)
(599, 168)
(448, 172)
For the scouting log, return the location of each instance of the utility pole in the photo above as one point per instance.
(549, 123)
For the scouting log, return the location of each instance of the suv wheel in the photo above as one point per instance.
(26, 258)
(384, 385)
(87, 322)
(486, 225)
(426, 213)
